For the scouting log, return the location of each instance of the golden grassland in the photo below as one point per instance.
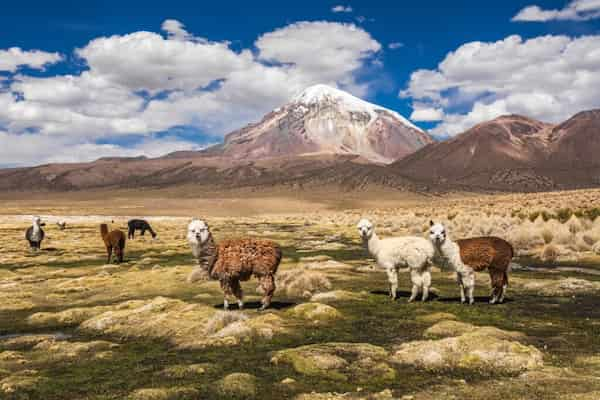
(76, 327)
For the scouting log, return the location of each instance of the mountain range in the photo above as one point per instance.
(325, 137)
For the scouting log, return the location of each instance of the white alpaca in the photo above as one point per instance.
(411, 252)
(449, 256)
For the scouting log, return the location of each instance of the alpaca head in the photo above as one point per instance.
(437, 233)
(198, 232)
(365, 229)
(37, 221)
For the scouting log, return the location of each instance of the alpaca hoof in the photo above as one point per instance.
(410, 300)
(263, 307)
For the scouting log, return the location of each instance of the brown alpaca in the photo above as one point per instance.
(114, 241)
(235, 260)
(467, 256)
(491, 253)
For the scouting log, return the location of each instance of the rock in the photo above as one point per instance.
(240, 385)
(336, 295)
(315, 312)
(455, 328)
(168, 393)
(436, 317)
(288, 381)
(353, 362)
(472, 351)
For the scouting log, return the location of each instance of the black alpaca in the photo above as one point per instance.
(139, 225)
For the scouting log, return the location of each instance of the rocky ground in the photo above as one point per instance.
(74, 327)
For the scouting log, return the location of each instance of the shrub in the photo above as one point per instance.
(550, 253)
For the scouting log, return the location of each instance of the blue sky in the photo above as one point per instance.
(506, 58)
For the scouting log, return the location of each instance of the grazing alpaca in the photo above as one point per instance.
(234, 260)
(35, 234)
(114, 241)
(413, 252)
(139, 225)
(62, 225)
(468, 256)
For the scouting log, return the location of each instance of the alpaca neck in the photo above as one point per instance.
(372, 244)
(209, 254)
(103, 232)
(450, 254)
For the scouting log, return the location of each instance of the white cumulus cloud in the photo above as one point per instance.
(576, 10)
(341, 9)
(13, 58)
(548, 77)
(145, 82)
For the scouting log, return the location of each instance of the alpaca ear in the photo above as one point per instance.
(431, 223)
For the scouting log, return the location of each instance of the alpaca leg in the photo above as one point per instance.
(227, 292)
(504, 286)
(238, 293)
(502, 293)
(426, 277)
(469, 284)
(119, 254)
(497, 279)
(109, 252)
(392, 274)
(267, 284)
(459, 279)
(417, 282)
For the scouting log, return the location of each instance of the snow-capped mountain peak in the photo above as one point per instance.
(322, 94)
(323, 119)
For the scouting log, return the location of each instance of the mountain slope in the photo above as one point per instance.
(324, 120)
(512, 153)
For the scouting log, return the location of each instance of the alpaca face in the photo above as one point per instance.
(37, 221)
(198, 232)
(437, 233)
(365, 228)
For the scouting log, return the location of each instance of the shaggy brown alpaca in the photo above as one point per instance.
(114, 241)
(235, 260)
(491, 253)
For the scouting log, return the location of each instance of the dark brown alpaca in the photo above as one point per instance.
(236, 260)
(114, 241)
(491, 253)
